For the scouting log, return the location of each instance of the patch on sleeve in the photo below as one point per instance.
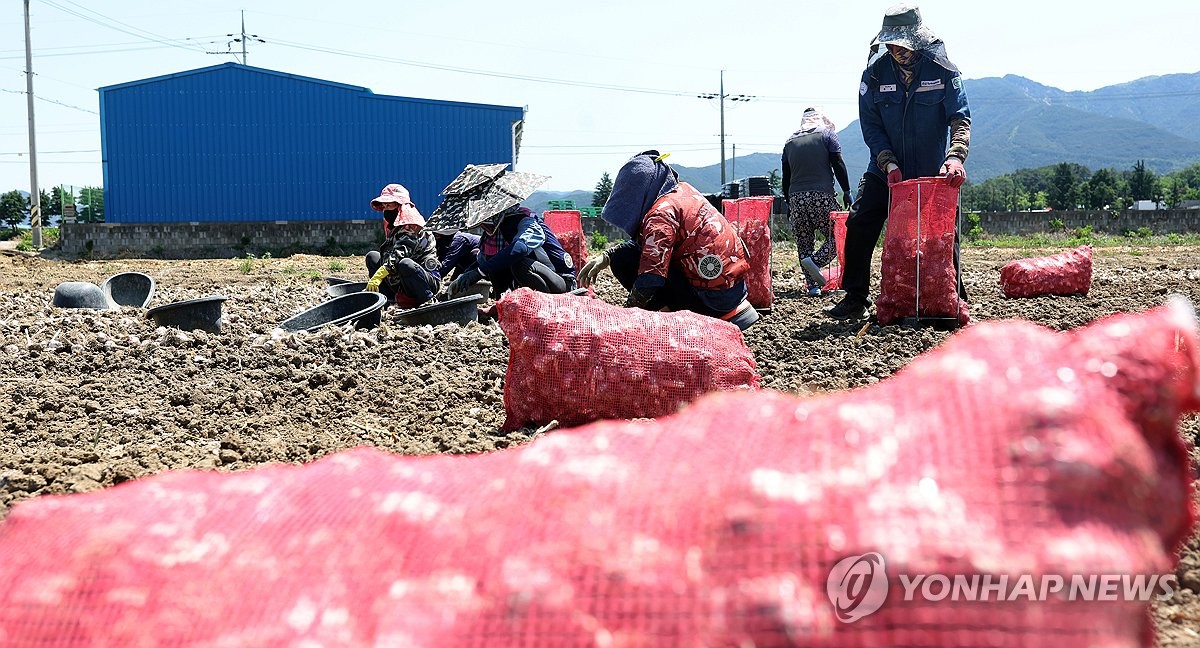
(862, 88)
(432, 264)
(957, 83)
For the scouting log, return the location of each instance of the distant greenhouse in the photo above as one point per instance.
(242, 144)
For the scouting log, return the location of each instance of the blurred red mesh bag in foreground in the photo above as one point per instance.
(833, 273)
(567, 225)
(932, 255)
(1066, 273)
(1011, 449)
(577, 360)
(751, 217)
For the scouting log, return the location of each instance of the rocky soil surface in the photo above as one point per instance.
(96, 398)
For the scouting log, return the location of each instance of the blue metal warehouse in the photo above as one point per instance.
(236, 143)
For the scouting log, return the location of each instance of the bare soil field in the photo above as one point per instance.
(96, 398)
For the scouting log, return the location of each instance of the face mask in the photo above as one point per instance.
(901, 55)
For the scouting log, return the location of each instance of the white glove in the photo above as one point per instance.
(590, 270)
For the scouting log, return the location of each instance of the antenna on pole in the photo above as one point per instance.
(242, 38)
(721, 96)
(35, 195)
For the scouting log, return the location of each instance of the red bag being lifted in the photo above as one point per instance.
(919, 244)
(1010, 450)
(833, 274)
(576, 360)
(567, 225)
(1066, 273)
(751, 217)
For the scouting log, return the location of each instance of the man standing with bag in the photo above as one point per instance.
(911, 103)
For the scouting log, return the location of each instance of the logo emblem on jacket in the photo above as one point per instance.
(710, 266)
(431, 264)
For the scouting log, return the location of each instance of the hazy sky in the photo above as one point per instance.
(601, 80)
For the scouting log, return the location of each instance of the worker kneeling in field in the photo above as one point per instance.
(683, 254)
(406, 267)
(457, 251)
(517, 250)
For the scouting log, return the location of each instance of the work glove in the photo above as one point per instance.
(893, 175)
(953, 169)
(464, 281)
(590, 270)
(846, 199)
(376, 279)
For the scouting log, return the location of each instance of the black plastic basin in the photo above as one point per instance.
(460, 310)
(80, 294)
(129, 289)
(203, 314)
(345, 288)
(362, 308)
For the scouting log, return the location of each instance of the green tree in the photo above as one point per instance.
(1102, 190)
(603, 191)
(92, 201)
(1175, 192)
(1142, 184)
(776, 180)
(14, 208)
(1062, 192)
(48, 207)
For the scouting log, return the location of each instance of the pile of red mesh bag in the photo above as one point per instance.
(927, 206)
(833, 274)
(577, 360)
(751, 217)
(1066, 273)
(1010, 450)
(567, 225)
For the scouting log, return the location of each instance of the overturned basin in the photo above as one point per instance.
(345, 288)
(460, 310)
(362, 308)
(79, 294)
(129, 289)
(203, 314)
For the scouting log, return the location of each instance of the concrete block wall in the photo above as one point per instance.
(1166, 221)
(218, 240)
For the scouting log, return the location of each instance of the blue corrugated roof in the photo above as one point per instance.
(235, 143)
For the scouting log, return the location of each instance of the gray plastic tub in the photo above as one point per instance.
(80, 294)
(460, 310)
(345, 288)
(203, 314)
(362, 308)
(129, 289)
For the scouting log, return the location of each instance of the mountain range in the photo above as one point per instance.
(1017, 123)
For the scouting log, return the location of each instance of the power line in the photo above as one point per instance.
(108, 22)
(53, 101)
(478, 72)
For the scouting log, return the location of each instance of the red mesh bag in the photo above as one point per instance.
(578, 360)
(1066, 273)
(1009, 450)
(567, 225)
(833, 274)
(751, 217)
(931, 256)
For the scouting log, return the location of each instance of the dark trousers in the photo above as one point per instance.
(409, 278)
(533, 272)
(868, 215)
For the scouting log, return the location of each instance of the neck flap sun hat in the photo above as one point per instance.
(902, 26)
(640, 182)
(395, 196)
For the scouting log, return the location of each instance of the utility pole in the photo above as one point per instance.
(721, 96)
(35, 196)
(733, 171)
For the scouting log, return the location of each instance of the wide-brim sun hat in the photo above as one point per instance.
(902, 26)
